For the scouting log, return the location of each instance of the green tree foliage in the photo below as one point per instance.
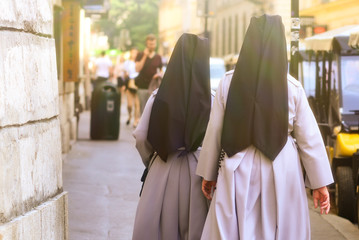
(139, 17)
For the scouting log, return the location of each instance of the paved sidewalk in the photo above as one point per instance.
(103, 181)
(330, 227)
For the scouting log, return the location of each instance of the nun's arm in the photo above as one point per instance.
(208, 160)
(143, 146)
(310, 143)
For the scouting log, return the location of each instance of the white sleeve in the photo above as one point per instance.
(208, 159)
(143, 146)
(310, 143)
(109, 62)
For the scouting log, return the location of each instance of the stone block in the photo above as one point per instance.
(61, 86)
(66, 216)
(70, 105)
(73, 129)
(69, 87)
(28, 15)
(65, 137)
(28, 81)
(11, 230)
(44, 222)
(29, 226)
(31, 166)
(62, 110)
(52, 213)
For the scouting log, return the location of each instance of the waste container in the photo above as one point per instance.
(105, 112)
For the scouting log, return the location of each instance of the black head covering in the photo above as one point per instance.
(180, 111)
(257, 104)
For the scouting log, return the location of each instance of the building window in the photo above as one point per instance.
(224, 37)
(230, 35)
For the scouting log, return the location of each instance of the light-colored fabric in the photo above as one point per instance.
(144, 148)
(255, 197)
(172, 205)
(103, 65)
(143, 96)
(120, 67)
(130, 68)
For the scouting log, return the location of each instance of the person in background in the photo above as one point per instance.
(149, 66)
(120, 73)
(133, 102)
(171, 130)
(103, 69)
(262, 121)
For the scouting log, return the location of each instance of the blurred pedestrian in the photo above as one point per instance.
(133, 102)
(262, 121)
(120, 73)
(149, 66)
(103, 69)
(171, 130)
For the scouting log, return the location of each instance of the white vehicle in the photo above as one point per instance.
(217, 70)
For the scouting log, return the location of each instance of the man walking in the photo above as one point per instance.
(148, 65)
(103, 68)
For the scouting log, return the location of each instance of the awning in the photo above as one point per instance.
(324, 41)
(354, 40)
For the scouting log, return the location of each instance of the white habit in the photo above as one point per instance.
(172, 205)
(257, 198)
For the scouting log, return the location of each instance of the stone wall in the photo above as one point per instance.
(68, 121)
(32, 202)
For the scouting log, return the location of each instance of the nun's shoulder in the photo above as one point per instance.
(229, 73)
(154, 93)
(293, 82)
(226, 80)
(228, 76)
(295, 88)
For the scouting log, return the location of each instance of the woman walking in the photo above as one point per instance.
(171, 130)
(262, 121)
(133, 103)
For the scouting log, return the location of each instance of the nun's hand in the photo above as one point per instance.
(322, 195)
(208, 188)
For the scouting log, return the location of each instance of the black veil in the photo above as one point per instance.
(180, 111)
(257, 104)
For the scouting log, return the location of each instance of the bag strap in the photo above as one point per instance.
(147, 169)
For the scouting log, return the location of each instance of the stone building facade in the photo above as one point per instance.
(175, 18)
(232, 18)
(227, 26)
(33, 204)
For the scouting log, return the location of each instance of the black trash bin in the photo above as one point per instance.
(105, 112)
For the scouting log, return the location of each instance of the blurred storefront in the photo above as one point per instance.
(322, 15)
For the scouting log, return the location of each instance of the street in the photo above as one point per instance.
(103, 182)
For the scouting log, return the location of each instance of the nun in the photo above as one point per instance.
(171, 130)
(262, 121)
